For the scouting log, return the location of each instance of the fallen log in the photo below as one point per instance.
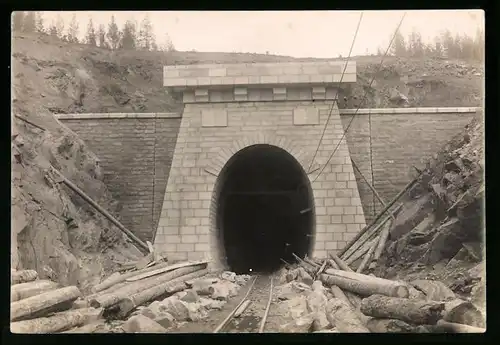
(361, 252)
(342, 317)
(342, 265)
(333, 264)
(242, 308)
(412, 311)
(127, 305)
(24, 276)
(33, 288)
(352, 301)
(165, 269)
(463, 312)
(400, 288)
(145, 261)
(101, 210)
(107, 300)
(57, 322)
(109, 282)
(384, 235)
(367, 257)
(450, 327)
(367, 237)
(390, 326)
(364, 288)
(321, 269)
(376, 219)
(47, 302)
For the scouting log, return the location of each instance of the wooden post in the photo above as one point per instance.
(375, 220)
(105, 213)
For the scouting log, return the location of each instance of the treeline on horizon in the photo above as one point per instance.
(446, 45)
(135, 36)
(132, 36)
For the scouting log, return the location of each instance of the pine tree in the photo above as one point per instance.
(448, 44)
(52, 30)
(91, 38)
(168, 46)
(101, 36)
(73, 30)
(29, 22)
(146, 34)
(17, 20)
(415, 45)
(59, 27)
(398, 47)
(39, 22)
(128, 37)
(113, 34)
(479, 45)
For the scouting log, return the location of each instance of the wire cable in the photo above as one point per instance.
(335, 98)
(364, 98)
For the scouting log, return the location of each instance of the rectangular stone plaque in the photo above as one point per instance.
(305, 116)
(214, 118)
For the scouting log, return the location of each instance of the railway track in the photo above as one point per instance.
(250, 315)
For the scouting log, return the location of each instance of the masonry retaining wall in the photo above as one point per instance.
(136, 152)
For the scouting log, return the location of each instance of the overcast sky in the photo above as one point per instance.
(320, 34)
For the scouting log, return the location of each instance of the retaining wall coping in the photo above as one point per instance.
(410, 111)
(94, 116)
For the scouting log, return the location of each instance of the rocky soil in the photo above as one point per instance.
(444, 236)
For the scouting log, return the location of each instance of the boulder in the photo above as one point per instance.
(142, 324)
(304, 277)
(229, 276)
(302, 324)
(147, 312)
(190, 296)
(209, 303)
(196, 311)
(294, 307)
(223, 290)
(165, 320)
(290, 290)
(156, 308)
(316, 301)
(176, 308)
(242, 279)
(202, 286)
(434, 290)
(446, 243)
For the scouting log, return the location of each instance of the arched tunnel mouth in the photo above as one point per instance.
(264, 210)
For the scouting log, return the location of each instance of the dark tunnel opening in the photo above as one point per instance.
(265, 210)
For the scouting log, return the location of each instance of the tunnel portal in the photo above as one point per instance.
(265, 210)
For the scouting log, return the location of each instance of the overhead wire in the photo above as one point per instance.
(363, 100)
(335, 98)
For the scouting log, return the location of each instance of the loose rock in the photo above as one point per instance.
(142, 324)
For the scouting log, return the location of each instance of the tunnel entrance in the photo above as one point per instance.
(265, 210)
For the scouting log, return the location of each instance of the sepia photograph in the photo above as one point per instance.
(248, 172)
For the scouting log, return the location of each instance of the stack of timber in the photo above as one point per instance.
(121, 294)
(42, 306)
(366, 303)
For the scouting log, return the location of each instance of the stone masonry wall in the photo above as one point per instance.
(136, 151)
(401, 138)
(186, 228)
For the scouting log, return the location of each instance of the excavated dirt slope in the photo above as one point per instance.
(67, 78)
(57, 233)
